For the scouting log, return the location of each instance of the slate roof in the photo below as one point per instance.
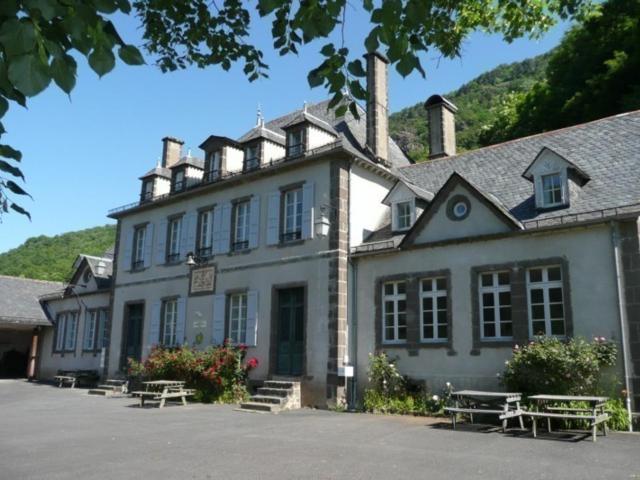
(103, 280)
(351, 131)
(160, 171)
(607, 150)
(188, 160)
(19, 303)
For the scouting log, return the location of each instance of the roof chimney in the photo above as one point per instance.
(442, 126)
(171, 151)
(378, 105)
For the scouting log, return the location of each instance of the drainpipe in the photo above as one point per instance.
(353, 334)
(622, 315)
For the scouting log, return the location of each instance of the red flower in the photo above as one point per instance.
(252, 363)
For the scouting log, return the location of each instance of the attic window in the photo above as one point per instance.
(147, 190)
(295, 142)
(552, 190)
(179, 181)
(404, 214)
(251, 160)
(213, 166)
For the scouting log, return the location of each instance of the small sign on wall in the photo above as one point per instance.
(203, 280)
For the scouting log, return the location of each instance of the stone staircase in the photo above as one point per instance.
(110, 387)
(274, 396)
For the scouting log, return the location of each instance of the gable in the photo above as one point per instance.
(547, 161)
(399, 193)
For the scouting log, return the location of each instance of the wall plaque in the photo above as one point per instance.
(203, 280)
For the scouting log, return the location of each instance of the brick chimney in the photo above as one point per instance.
(378, 106)
(171, 151)
(442, 126)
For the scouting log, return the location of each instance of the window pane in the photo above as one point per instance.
(487, 279)
(442, 317)
(557, 327)
(402, 287)
(504, 298)
(536, 295)
(427, 331)
(505, 313)
(556, 310)
(442, 331)
(427, 303)
(441, 283)
(427, 285)
(388, 307)
(487, 299)
(538, 328)
(555, 294)
(388, 288)
(506, 329)
(537, 312)
(402, 319)
(402, 333)
(488, 315)
(402, 306)
(554, 273)
(503, 278)
(489, 330)
(442, 303)
(389, 333)
(535, 275)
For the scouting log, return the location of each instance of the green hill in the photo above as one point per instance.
(51, 258)
(475, 101)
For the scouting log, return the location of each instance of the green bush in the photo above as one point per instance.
(391, 393)
(218, 374)
(556, 367)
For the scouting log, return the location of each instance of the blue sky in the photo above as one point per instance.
(83, 154)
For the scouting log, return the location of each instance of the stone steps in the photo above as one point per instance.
(107, 392)
(274, 396)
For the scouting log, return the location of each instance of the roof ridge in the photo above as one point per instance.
(519, 139)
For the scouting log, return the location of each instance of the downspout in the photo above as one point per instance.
(622, 315)
(353, 334)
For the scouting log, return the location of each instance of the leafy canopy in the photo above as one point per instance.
(39, 43)
(39, 38)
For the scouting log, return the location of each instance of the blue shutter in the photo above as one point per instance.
(217, 335)
(307, 209)
(180, 321)
(188, 234)
(254, 222)
(127, 248)
(273, 218)
(225, 228)
(161, 247)
(252, 318)
(154, 327)
(148, 245)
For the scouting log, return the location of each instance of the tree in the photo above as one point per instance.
(38, 41)
(593, 73)
(37, 37)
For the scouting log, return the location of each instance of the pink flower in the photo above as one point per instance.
(252, 363)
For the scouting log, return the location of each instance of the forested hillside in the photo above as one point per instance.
(51, 258)
(475, 101)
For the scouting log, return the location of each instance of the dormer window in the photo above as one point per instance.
(179, 183)
(295, 143)
(403, 215)
(147, 190)
(251, 159)
(552, 190)
(213, 166)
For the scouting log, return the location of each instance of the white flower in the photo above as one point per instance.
(435, 398)
(448, 384)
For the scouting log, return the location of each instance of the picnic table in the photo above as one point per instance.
(557, 406)
(65, 379)
(162, 390)
(505, 405)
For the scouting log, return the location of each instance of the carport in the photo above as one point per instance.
(21, 321)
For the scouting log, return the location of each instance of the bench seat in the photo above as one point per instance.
(595, 420)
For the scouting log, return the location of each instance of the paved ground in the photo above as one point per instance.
(50, 433)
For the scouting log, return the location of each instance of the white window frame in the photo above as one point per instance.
(396, 298)
(137, 259)
(70, 332)
(90, 325)
(242, 211)
(238, 317)
(179, 181)
(494, 289)
(147, 189)
(173, 244)
(295, 141)
(411, 214)
(61, 322)
(205, 230)
(169, 322)
(292, 217)
(251, 159)
(214, 165)
(553, 189)
(101, 326)
(433, 294)
(545, 285)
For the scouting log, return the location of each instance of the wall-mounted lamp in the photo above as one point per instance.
(321, 224)
(193, 260)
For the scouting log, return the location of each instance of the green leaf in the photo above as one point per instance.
(328, 50)
(102, 60)
(7, 167)
(29, 74)
(106, 6)
(17, 36)
(315, 79)
(8, 152)
(371, 42)
(47, 8)
(355, 68)
(63, 70)
(21, 210)
(130, 55)
(15, 188)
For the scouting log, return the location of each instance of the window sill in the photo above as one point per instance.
(290, 243)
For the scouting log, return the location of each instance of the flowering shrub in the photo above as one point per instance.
(390, 392)
(218, 374)
(557, 367)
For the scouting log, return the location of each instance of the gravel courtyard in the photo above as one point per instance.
(51, 433)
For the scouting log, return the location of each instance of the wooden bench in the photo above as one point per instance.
(595, 420)
(167, 393)
(472, 402)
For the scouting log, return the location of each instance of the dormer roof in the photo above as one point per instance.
(417, 191)
(260, 131)
(303, 116)
(215, 141)
(190, 161)
(157, 172)
(579, 173)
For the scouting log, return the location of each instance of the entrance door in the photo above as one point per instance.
(134, 319)
(290, 331)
